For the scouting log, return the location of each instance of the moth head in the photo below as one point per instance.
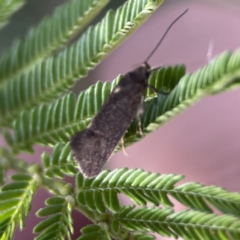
(146, 69)
(141, 74)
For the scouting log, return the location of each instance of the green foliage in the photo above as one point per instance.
(220, 75)
(141, 187)
(185, 91)
(50, 79)
(145, 187)
(61, 162)
(37, 108)
(100, 194)
(7, 8)
(94, 232)
(141, 236)
(15, 203)
(52, 33)
(100, 232)
(58, 223)
(186, 224)
(198, 197)
(57, 122)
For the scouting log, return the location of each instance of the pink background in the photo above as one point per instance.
(203, 142)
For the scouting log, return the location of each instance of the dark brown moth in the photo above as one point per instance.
(93, 146)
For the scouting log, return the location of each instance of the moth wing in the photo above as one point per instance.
(92, 150)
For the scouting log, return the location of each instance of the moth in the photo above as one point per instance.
(93, 146)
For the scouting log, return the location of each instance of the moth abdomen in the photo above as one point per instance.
(86, 146)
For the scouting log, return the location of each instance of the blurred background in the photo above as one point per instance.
(203, 143)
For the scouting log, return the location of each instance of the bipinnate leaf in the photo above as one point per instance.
(206, 198)
(60, 163)
(47, 81)
(58, 220)
(57, 122)
(52, 33)
(94, 232)
(15, 203)
(185, 91)
(186, 224)
(144, 187)
(102, 192)
(7, 8)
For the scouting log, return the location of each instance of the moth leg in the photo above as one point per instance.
(123, 148)
(156, 91)
(139, 114)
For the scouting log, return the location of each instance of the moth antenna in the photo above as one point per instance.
(164, 35)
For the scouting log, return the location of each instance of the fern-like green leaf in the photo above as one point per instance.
(94, 232)
(141, 236)
(7, 8)
(2, 175)
(220, 75)
(186, 224)
(15, 201)
(100, 232)
(58, 224)
(51, 78)
(144, 187)
(197, 196)
(52, 33)
(140, 186)
(96, 199)
(57, 122)
(61, 163)
(148, 219)
(4, 164)
(9, 161)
